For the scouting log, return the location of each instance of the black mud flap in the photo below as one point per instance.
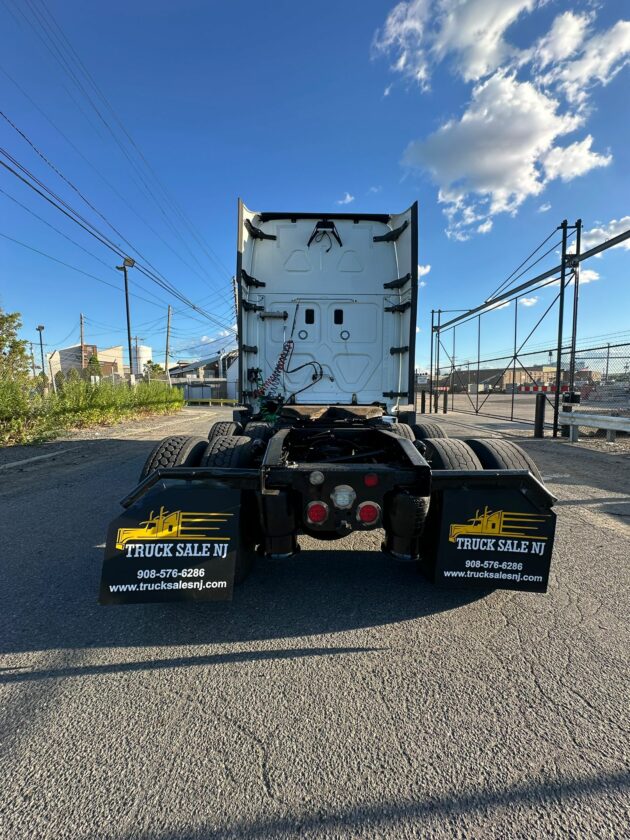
(495, 535)
(174, 543)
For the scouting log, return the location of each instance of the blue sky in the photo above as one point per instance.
(501, 117)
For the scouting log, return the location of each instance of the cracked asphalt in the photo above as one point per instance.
(337, 696)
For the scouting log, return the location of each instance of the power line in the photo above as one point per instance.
(73, 268)
(101, 237)
(525, 261)
(66, 56)
(119, 195)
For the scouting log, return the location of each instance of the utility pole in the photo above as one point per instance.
(32, 360)
(127, 263)
(40, 330)
(168, 337)
(82, 340)
(576, 298)
(563, 269)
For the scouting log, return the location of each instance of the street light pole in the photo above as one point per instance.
(40, 330)
(127, 263)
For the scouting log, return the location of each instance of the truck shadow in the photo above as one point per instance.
(53, 552)
(317, 592)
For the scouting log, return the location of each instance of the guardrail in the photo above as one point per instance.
(612, 425)
(210, 401)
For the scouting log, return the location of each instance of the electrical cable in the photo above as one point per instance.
(525, 261)
(103, 239)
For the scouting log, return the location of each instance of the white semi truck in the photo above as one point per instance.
(325, 440)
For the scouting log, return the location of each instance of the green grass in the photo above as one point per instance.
(27, 416)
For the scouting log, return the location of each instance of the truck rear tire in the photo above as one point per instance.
(401, 429)
(442, 454)
(227, 451)
(175, 451)
(224, 428)
(257, 430)
(236, 451)
(428, 429)
(451, 454)
(499, 454)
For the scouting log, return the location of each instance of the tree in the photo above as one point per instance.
(60, 380)
(14, 359)
(153, 369)
(93, 366)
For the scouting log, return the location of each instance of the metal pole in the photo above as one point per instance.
(514, 359)
(453, 373)
(478, 361)
(128, 322)
(431, 362)
(576, 297)
(607, 362)
(40, 330)
(168, 336)
(563, 268)
(539, 416)
(127, 263)
(82, 340)
(437, 363)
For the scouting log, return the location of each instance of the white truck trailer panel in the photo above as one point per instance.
(321, 281)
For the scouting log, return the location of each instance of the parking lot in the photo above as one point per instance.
(338, 696)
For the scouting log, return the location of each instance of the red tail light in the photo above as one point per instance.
(370, 479)
(368, 512)
(316, 512)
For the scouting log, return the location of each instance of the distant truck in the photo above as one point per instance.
(325, 440)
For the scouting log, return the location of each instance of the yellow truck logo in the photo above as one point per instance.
(499, 523)
(178, 525)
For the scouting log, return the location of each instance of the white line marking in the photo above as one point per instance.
(34, 458)
(556, 475)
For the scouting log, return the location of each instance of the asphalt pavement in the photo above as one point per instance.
(338, 696)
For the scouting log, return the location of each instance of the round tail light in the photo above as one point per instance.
(368, 512)
(370, 479)
(316, 512)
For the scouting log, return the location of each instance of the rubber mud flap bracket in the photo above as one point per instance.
(493, 537)
(175, 543)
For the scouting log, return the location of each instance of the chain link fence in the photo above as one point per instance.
(466, 376)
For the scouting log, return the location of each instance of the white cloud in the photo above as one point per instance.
(417, 329)
(423, 270)
(568, 162)
(601, 233)
(504, 147)
(499, 305)
(491, 159)
(387, 90)
(544, 207)
(563, 39)
(419, 34)
(375, 190)
(602, 57)
(403, 35)
(528, 301)
(588, 275)
(422, 284)
(474, 31)
(347, 199)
